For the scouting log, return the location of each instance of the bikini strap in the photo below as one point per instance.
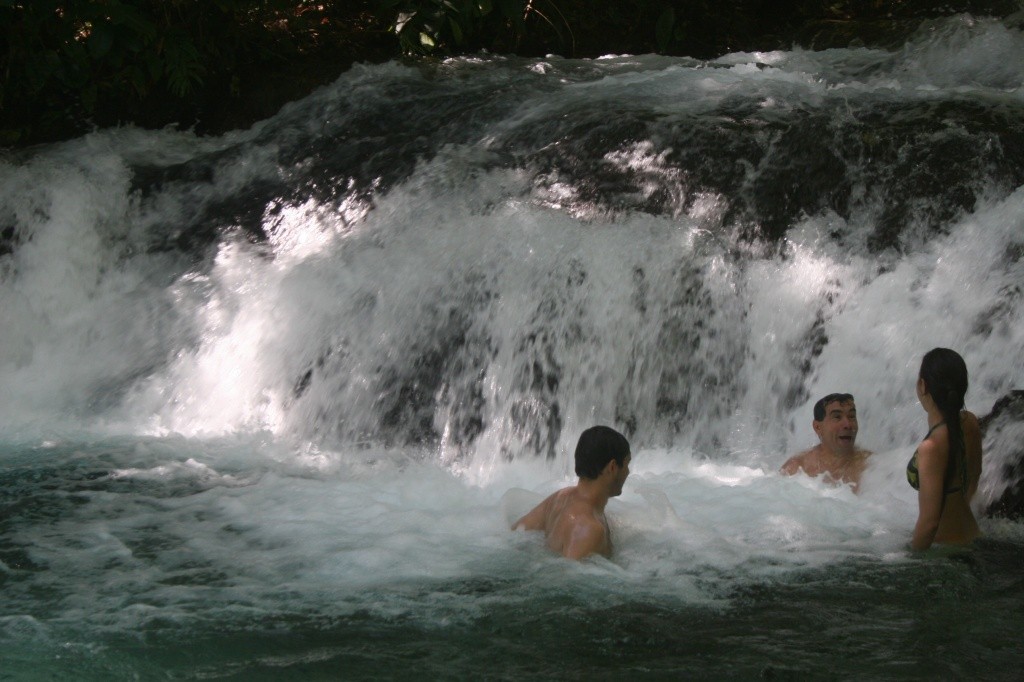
(932, 429)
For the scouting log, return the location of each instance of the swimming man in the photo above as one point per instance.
(836, 456)
(573, 518)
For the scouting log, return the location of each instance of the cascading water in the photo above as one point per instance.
(277, 394)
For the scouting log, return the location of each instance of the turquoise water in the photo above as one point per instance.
(116, 569)
(270, 401)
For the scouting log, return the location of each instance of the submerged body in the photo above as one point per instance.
(834, 468)
(946, 483)
(573, 518)
(836, 457)
(573, 525)
(946, 466)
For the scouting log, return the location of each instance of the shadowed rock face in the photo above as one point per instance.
(1001, 434)
(243, 86)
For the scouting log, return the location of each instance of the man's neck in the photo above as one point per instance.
(594, 492)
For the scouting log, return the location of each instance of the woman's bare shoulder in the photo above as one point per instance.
(930, 447)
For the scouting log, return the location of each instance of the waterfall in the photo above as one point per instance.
(271, 400)
(484, 256)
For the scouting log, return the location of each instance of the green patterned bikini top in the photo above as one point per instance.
(951, 486)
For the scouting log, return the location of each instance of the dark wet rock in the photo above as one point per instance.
(1003, 438)
(357, 31)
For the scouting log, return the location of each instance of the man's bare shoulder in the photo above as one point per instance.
(539, 517)
(799, 461)
(579, 510)
(579, 531)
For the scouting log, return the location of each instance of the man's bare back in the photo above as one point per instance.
(573, 518)
(572, 525)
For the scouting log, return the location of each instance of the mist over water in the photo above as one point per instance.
(283, 391)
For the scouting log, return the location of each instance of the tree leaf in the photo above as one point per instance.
(663, 29)
(456, 30)
(100, 40)
(403, 19)
(137, 76)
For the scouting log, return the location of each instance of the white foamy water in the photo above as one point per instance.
(316, 371)
(171, 540)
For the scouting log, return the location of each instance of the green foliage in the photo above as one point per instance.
(72, 60)
(683, 20)
(664, 29)
(429, 26)
(67, 64)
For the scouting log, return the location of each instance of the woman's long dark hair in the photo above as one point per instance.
(945, 379)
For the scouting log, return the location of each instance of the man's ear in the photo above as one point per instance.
(611, 467)
(816, 425)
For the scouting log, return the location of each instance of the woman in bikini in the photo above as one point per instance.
(946, 466)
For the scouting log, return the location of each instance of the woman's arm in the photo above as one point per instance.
(931, 467)
(972, 444)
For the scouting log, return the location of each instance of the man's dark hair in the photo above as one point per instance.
(819, 407)
(597, 446)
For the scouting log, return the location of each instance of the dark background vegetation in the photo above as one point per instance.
(69, 66)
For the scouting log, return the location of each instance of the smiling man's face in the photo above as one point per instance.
(838, 430)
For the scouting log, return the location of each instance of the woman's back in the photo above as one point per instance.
(972, 446)
(957, 524)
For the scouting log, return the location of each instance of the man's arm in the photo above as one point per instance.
(793, 465)
(536, 519)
